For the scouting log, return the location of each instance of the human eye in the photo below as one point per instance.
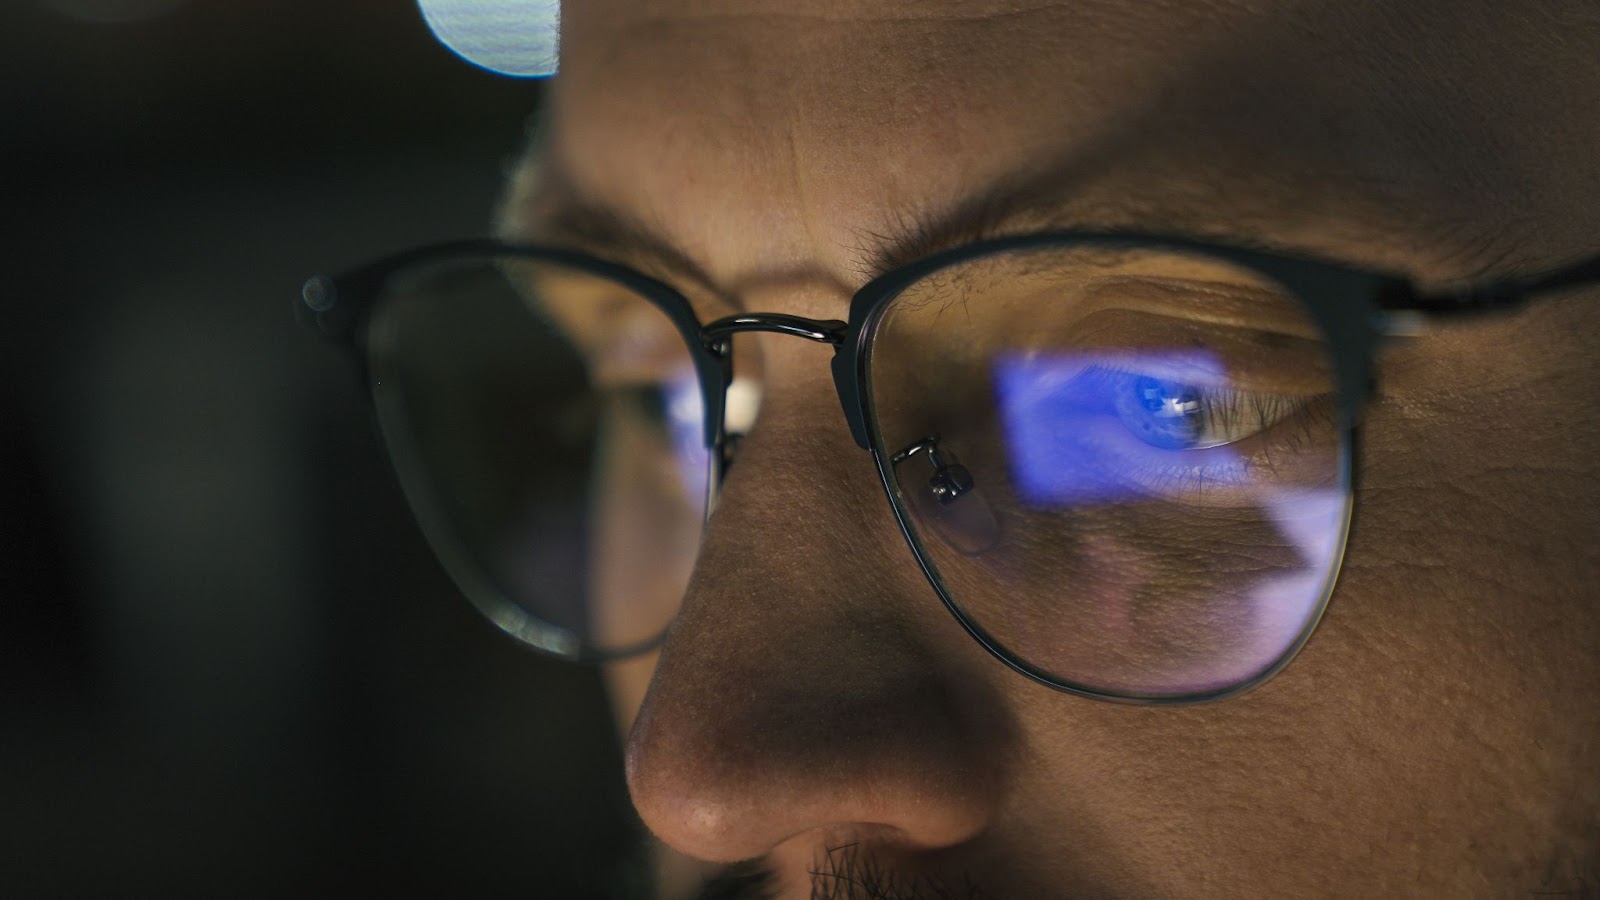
(1171, 414)
(1154, 468)
(1088, 428)
(1068, 378)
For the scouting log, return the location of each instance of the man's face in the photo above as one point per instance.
(815, 705)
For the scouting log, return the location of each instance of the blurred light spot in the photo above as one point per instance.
(112, 12)
(686, 422)
(744, 399)
(519, 38)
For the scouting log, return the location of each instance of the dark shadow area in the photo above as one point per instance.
(228, 663)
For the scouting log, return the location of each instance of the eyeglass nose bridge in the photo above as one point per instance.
(716, 337)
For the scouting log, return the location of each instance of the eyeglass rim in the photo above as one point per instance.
(1387, 303)
(1357, 308)
(1332, 294)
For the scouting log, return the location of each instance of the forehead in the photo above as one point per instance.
(776, 140)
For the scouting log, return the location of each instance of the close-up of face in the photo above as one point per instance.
(816, 718)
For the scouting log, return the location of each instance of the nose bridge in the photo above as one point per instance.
(833, 332)
(823, 331)
(812, 682)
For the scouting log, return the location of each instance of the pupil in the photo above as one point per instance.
(1167, 413)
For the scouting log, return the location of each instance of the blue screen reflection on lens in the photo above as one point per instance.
(1100, 429)
(686, 424)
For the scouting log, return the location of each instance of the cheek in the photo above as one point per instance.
(1137, 599)
(1449, 693)
(1474, 542)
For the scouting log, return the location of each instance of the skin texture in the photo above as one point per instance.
(1436, 738)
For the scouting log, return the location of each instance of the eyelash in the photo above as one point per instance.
(1269, 427)
(1096, 445)
(1222, 409)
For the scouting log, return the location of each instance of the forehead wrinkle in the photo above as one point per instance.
(806, 211)
(1050, 200)
(807, 196)
(728, 166)
(828, 196)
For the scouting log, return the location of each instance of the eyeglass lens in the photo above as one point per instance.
(1125, 466)
(545, 419)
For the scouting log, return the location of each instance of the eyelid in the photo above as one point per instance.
(1244, 357)
(1110, 456)
(1214, 302)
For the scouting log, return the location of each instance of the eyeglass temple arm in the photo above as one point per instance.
(1497, 295)
(1406, 310)
(1580, 273)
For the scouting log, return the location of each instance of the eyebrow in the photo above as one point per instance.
(1032, 200)
(1041, 198)
(563, 215)
(1006, 206)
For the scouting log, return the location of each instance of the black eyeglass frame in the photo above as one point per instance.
(1355, 308)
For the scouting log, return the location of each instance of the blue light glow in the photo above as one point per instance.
(519, 38)
(1068, 432)
(686, 426)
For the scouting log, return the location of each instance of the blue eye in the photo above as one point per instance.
(1170, 415)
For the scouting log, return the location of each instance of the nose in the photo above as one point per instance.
(812, 685)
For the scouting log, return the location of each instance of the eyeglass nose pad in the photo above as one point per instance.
(950, 501)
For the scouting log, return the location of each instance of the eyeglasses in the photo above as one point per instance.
(1126, 464)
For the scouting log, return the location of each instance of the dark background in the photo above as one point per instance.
(228, 664)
